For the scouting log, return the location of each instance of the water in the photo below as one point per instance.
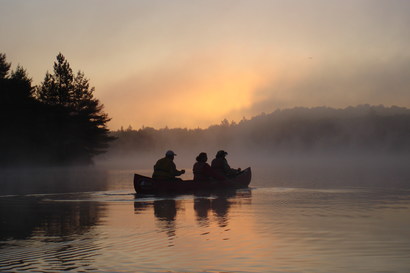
(91, 220)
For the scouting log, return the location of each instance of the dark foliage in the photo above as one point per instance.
(59, 122)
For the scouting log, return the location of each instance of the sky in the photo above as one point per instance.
(192, 64)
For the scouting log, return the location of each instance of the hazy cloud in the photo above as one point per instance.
(185, 63)
(338, 85)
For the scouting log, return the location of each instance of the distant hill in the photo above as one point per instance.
(362, 128)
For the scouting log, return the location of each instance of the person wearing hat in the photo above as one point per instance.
(165, 168)
(203, 171)
(221, 166)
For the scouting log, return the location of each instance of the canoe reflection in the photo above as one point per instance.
(219, 206)
(206, 207)
(166, 211)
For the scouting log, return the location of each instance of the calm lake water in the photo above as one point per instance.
(287, 221)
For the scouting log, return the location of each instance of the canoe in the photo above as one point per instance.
(148, 185)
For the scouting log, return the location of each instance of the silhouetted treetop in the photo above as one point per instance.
(4, 66)
(60, 123)
(15, 86)
(88, 132)
(57, 88)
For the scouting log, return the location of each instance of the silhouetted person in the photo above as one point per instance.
(203, 171)
(221, 166)
(165, 168)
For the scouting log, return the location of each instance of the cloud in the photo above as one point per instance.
(339, 84)
(203, 89)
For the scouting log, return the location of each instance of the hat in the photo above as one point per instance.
(170, 153)
(221, 153)
(201, 156)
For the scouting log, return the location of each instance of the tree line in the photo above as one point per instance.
(58, 122)
(363, 128)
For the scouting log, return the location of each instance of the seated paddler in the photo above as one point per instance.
(203, 171)
(221, 166)
(165, 168)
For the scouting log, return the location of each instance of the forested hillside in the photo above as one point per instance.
(364, 128)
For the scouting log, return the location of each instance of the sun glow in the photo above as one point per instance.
(197, 93)
(216, 99)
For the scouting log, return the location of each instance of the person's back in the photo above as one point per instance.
(218, 165)
(165, 168)
(221, 166)
(202, 171)
(199, 171)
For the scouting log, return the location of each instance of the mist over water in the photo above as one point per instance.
(45, 180)
(294, 170)
(332, 204)
(299, 219)
(343, 144)
(302, 213)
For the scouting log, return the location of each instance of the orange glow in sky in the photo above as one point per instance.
(192, 64)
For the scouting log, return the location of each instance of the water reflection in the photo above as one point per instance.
(22, 218)
(59, 233)
(205, 205)
(44, 224)
(258, 230)
(219, 206)
(166, 211)
(140, 207)
(202, 206)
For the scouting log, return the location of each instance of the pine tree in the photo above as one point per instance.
(60, 123)
(22, 84)
(17, 115)
(4, 66)
(83, 132)
(57, 88)
(89, 111)
(15, 86)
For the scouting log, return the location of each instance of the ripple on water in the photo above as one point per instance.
(263, 230)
